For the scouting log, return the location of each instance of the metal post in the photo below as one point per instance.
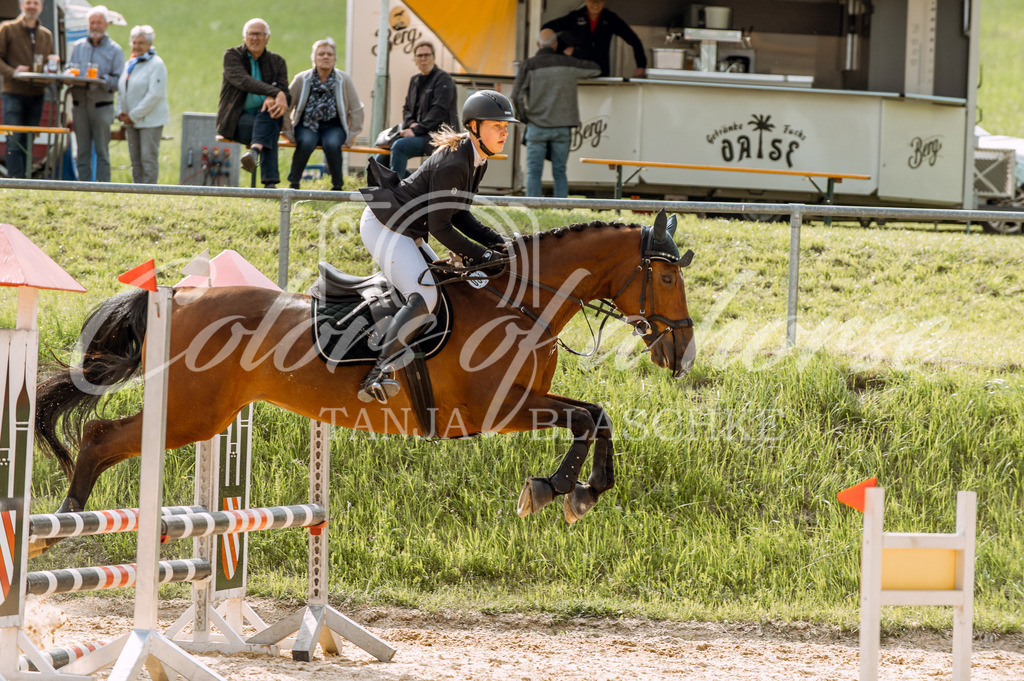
(829, 196)
(381, 85)
(795, 222)
(618, 182)
(283, 237)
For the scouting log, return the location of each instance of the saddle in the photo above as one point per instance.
(349, 316)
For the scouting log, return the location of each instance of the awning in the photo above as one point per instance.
(481, 35)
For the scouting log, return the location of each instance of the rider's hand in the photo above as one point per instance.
(455, 260)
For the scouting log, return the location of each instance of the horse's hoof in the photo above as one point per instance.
(577, 502)
(537, 493)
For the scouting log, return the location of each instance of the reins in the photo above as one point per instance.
(643, 324)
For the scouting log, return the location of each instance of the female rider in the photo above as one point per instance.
(433, 201)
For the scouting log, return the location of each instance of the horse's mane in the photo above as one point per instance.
(559, 232)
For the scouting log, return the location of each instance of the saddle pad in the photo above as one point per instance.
(344, 331)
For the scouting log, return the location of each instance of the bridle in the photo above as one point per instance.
(651, 250)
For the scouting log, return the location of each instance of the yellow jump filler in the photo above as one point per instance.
(905, 568)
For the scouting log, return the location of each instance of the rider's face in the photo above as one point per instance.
(493, 134)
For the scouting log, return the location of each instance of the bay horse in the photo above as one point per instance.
(235, 345)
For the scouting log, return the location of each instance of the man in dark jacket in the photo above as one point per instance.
(429, 104)
(545, 97)
(254, 98)
(593, 28)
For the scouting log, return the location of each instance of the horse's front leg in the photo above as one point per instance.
(548, 411)
(602, 476)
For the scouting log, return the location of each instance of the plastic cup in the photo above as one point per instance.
(37, 63)
(93, 71)
(73, 69)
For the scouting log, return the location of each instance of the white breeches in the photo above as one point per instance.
(400, 258)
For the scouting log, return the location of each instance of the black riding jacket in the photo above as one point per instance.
(434, 200)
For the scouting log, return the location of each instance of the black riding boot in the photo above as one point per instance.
(380, 383)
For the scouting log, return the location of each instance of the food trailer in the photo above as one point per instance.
(883, 88)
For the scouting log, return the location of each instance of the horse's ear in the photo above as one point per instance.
(672, 225)
(660, 225)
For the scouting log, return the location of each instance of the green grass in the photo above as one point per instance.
(907, 367)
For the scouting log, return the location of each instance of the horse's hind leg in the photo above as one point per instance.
(104, 443)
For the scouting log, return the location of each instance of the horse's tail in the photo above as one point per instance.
(111, 343)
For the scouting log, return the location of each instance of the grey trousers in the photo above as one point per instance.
(144, 150)
(92, 132)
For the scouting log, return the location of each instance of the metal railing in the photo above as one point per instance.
(796, 212)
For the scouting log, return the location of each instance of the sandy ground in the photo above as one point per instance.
(470, 645)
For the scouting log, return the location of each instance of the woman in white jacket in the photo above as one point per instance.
(326, 111)
(142, 102)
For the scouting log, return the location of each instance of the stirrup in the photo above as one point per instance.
(380, 385)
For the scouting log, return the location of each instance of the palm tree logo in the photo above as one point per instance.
(761, 125)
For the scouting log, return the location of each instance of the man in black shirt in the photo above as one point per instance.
(429, 104)
(593, 28)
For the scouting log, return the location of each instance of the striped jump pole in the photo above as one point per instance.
(243, 520)
(62, 655)
(48, 582)
(29, 269)
(84, 523)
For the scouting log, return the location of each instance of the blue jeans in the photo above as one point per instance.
(330, 138)
(402, 150)
(260, 128)
(547, 142)
(21, 110)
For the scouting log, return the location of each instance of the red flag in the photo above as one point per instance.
(143, 276)
(854, 496)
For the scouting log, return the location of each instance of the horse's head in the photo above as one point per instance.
(654, 299)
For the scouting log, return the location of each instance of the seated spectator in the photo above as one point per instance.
(429, 104)
(254, 99)
(326, 111)
(142, 100)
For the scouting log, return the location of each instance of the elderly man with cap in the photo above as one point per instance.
(593, 28)
(545, 97)
(93, 104)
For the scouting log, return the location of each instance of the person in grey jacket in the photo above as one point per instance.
(545, 97)
(142, 105)
(93, 104)
(326, 111)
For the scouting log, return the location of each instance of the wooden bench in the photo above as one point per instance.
(829, 193)
(38, 130)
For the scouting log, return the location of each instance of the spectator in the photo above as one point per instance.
(429, 104)
(545, 97)
(433, 201)
(325, 110)
(92, 109)
(142, 100)
(254, 100)
(21, 41)
(593, 28)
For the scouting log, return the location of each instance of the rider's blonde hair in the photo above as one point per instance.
(447, 139)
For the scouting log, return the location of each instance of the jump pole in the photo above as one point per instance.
(30, 270)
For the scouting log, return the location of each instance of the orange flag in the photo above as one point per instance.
(143, 276)
(854, 496)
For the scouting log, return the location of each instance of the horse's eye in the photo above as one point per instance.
(667, 279)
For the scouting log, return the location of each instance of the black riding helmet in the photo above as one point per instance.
(486, 105)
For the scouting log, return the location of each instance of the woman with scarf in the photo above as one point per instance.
(326, 112)
(142, 102)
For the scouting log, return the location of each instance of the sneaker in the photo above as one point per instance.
(250, 160)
